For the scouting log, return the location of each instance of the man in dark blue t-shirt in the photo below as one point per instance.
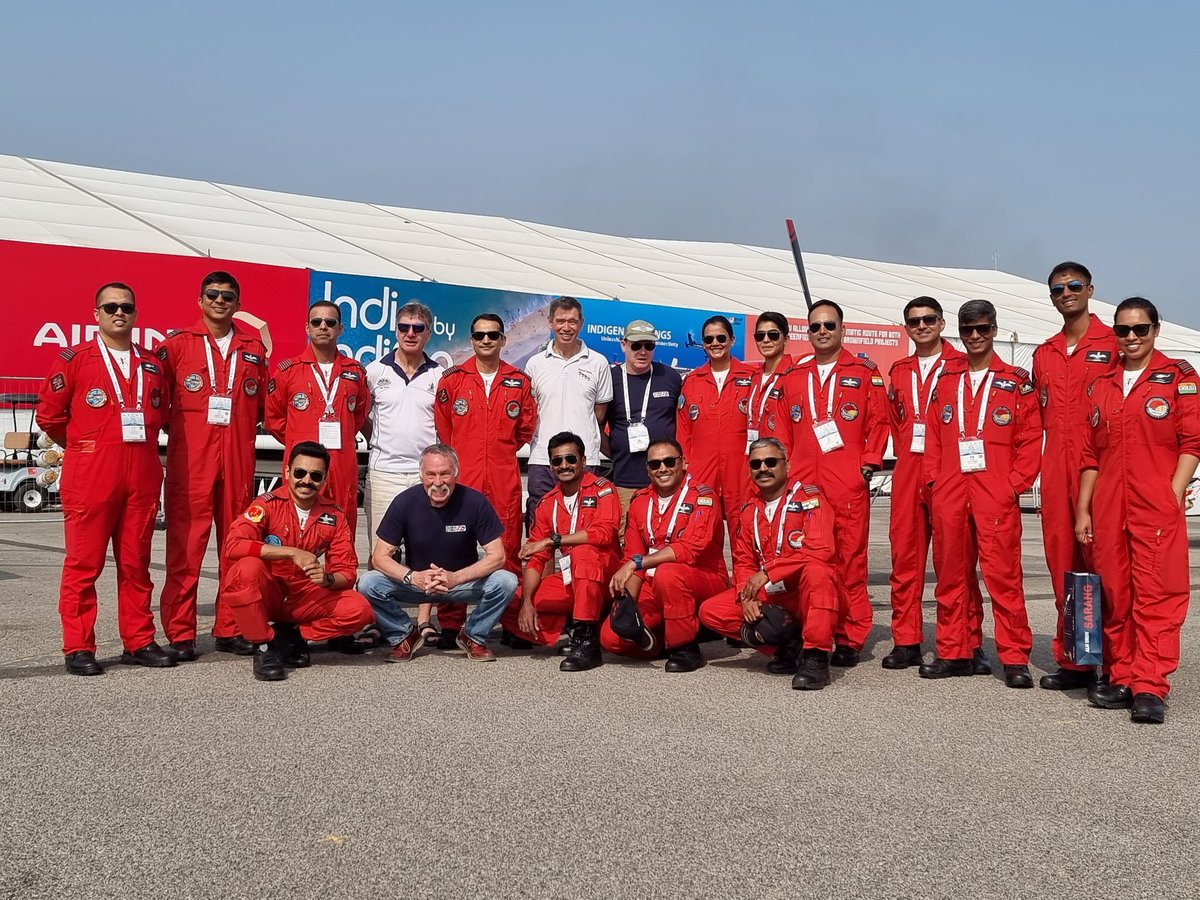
(441, 526)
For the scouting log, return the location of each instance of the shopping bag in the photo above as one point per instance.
(1082, 635)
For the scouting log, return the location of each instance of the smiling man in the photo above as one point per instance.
(290, 561)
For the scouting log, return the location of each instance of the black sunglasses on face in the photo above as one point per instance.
(112, 308)
(318, 321)
(984, 328)
(486, 335)
(569, 458)
(717, 338)
(914, 321)
(1141, 329)
(769, 461)
(224, 295)
(406, 327)
(635, 346)
(667, 462)
(1074, 286)
(772, 335)
(300, 474)
(814, 327)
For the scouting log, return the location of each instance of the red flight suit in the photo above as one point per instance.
(1140, 533)
(210, 468)
(261, 591)
(854, 398)
(711, 425)
(109, 488)
(1062, 382)
(296, 407)
(671, 593)
(979, 512)
(910, 529)
(796, 550)
(592, 564)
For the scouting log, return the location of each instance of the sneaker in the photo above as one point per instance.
(407, 648)
(476, 652)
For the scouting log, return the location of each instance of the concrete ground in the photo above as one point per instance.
(443, 778)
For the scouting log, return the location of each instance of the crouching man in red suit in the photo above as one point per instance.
(783, 557)
(675, 557)
(274, 572)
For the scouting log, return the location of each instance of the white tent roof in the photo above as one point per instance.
(59, 203)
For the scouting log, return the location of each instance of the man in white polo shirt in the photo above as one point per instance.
(402, 384)
(572, 387)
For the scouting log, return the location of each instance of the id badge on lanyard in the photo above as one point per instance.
(133, 426)
(133, 421)
(639, 437)
(826, 429)
(919, 410)
(751, 437)
(329, 429)
(971, 456)
(918, 438)
(564, 568)
(752, 433)
(220, 408)
(564, 560)
(638, 433)
(775, 587)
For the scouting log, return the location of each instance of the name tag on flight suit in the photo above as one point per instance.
(639, 437)
(828, 436)
(970, 455)
(220, 410)
(133, 427)
(329, 433)
(918, 438)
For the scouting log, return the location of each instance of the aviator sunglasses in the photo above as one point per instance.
(300, 474)
(318, 321)
(213, 294)
(772, 335)
(770, 462)
(1075, 287)
(814, 327)
(716, 338)
(569, 458)
(406, 327)
(635, 346)
(914, 321)
(112, 308)
(984, 328)
(667, 462)
(1141, 329)
(486, 335)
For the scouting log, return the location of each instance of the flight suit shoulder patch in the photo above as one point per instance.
(849, 381)
(604, 492)
(1162, 377)
(1004, 384)
(687, 509)
(812, 490)
(252, 358)
(350, 376)
(704, 501)
(877, 380)
(151, 368)
(58, 382)
(326, 519)
(511, 382)
(67, 354)
(868, 363)
(1185, 367)
(286, 364)
(589, 502)
(743, 382)
(1187, 387)
(1098, 356)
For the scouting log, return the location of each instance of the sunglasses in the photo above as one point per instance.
(667, 462)
(716, 338)
(569, 458)
(1141, 329)
(1074, 286)
(984, 328)
(113, 308)
(486, 335)
(224, 295)
(914, 321)
(769, 461)
(318, 321)
(635, 346)
(772, 335)
(300, 474)
(406, 327)
(814, 327)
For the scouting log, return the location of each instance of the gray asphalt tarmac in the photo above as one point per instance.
(443, 778)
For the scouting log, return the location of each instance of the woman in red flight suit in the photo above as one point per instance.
(1139, 455)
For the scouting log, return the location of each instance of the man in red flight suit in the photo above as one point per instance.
(980, 455)
(218, 377)
(274, 572)
(832, 417)
(675, 557)
(1064, 367)
(484, 409)
(910, 529)
(578, 518)
(783, 556)
(322, 395)
(104, 402)
(712, 419)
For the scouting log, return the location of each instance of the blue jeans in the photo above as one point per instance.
(388, 598)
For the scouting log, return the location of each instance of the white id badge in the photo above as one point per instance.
(564, 568)
(639, 437)
(918, 438)
(828, 436)
(751, 437)
(646, 573)
(133, 427)
(329, 434)
(775, 587)
(970, 455)
(220, 410)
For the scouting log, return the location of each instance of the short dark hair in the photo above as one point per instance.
(775, 318)
(306, 448)
(670, 442)
(119, 285)
(837, 309)
(718, 320)
(488, 317)
(320, 303)
(1063, 267)
(562, 439)
(564, 302)
(220, 277)
(1137, 303)
(974, 310)
(923, 301)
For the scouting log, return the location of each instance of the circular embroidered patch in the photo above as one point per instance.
(460, 406)
(351, 402)
(947, 414)
(272, 540)
(300, 401)
(795, 539)
(849, 411)
(96, 398)
(795, 413)
(513, 409)
(1002, 415)
(1044, 396)
(250, 387)
(156, 398)
(693, 412)
(193, 382)
(1157, 408)
(743, 406)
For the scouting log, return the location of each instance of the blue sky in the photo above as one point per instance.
(930, 133)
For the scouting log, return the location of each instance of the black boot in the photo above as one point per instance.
(237, 645)
(685, 659)
(83, 662)
(1110, 696)
(980, 664)
(946, 668)
(448, 639)
(844, 656)
(152, 656)
(572, 635)
(786, 660)
(585, 654)
(1148, 709)
(293, 648)
(1018, 677)
(268, 663)
(903, 656)
(1068, 679)
(814, 671)
(515, 641)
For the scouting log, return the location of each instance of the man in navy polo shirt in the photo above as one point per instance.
(441, 526)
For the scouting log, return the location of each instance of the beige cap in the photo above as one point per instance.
(640, 330)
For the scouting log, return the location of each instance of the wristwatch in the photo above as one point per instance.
(407, 579)
(327, 580)
(556, 540)
(636, 559)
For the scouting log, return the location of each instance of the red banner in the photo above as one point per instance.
(883, 344)
(51, 294)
